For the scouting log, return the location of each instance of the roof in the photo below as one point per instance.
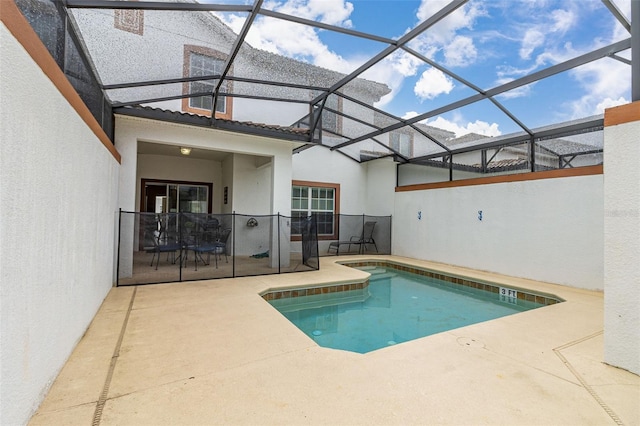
(259, 129)
(351, 97)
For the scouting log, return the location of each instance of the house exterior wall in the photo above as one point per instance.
(172, 32)
(319, 164)
(622, 237)
(252, 186)
(57, 207)
(164, 32)
(380, 186)
(364, 188)
(163, 167)
(548, 230)
(130, 130)
(255, 185)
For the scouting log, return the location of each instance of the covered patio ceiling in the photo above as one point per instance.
(524, 99)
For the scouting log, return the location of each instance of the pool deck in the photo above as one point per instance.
(214, 352)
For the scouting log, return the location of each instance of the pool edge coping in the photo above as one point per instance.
(523, 293)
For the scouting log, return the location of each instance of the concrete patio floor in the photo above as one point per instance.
(214, 352)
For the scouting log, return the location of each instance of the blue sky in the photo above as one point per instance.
(486, 42)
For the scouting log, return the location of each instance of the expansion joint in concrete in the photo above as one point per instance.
(585, 385)
(97, 415)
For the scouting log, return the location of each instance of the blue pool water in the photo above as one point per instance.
(396, 307)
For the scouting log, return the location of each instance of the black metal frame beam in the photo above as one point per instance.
(434, 19)
(562, 162)
(393, 117)
(155, 5)
(237, 44)
(318, 104)
(584, 126)
(618, 14)
(468, 84)
(531, 78)
(209, 77)
(202, 94)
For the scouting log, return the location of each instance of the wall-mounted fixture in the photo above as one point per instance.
(251, 223)
(185, 151)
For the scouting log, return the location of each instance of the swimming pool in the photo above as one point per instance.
(396, 306)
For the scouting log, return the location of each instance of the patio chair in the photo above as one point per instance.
(163, 243)
(362, 240)
(217, 247)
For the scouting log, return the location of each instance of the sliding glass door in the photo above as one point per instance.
(163, 197)
(188, 198)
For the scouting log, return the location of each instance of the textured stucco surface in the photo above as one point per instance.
(57, 204)
(548, 230)
(622, 246)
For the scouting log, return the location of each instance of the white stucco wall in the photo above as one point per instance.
(549, 230)
(411, 174)
(57, 208)
(622, 246)
(252, 186)
(381, 184)
(255, 185)
(130, 130)
(163, 167)
(319, 164)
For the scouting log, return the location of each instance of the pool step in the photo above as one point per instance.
(382, 276)
(378, 273)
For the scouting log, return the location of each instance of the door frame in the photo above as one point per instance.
(145, 181)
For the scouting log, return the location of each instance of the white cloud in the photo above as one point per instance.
(532, 39)
(608, 103)
(443, 36)
(460, 52)
(518, 92)
(333, 12)
(299, 41)
(606, 82)
(563, 20)
(392, 71)
(460, 128)
(445, 30)
(432, 83)
(404, 63)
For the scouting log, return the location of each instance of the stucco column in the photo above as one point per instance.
(127, 145)
(281, 203)
(622, 237)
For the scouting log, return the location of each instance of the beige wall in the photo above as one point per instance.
(622, 237)
(548, 229)
(58, 201)
(162, 167)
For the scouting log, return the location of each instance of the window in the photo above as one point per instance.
(402, 143)
(129, 20)
(200, 61)
(321, 199)
(174, 196)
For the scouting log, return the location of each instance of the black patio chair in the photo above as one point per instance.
(217, 247)
(361, 240)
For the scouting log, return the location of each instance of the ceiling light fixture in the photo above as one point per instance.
(185, 151)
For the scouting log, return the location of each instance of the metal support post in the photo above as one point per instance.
(532, 150)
